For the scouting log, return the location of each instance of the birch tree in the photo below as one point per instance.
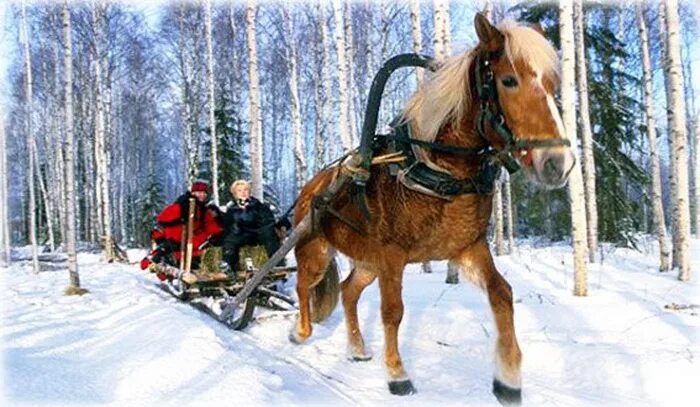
(655, 192)
(416, 36)
(343, 96)
(74, 276)
(672, 180)
(4, 199)
(441, 18)
(696, 171)
(677, 130)
(295, 106)
(508, 205)
(586, 134)
(325, 86)
(28, 105)
(498, 215)
(101, 152)
(256, 149)
(576, 190)
(211, 102)
(350, 61)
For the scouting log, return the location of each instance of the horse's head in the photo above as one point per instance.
(521, 118)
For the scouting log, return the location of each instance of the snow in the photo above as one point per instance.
(128, 343)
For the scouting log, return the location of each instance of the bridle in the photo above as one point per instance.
(490, 112)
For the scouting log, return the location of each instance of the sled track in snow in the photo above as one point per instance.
(333, 384)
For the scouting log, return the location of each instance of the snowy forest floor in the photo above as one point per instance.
(127, 342)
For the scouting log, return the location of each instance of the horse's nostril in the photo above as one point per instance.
(552, 168)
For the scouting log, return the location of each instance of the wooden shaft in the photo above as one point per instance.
(190, 226)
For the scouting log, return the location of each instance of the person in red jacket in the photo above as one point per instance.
(172, 221)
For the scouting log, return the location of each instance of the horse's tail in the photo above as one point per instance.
(324, 295)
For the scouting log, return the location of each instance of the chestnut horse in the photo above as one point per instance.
(407, 226)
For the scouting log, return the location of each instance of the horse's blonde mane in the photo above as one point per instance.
(446, 97)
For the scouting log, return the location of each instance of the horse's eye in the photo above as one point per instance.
(509, 82)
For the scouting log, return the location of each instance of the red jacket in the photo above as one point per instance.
(173, 220)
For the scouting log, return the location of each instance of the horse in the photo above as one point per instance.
(408, 226)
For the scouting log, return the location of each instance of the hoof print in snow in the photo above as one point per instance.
(506, 395)
(402, 388)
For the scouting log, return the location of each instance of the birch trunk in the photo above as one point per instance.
(293, 82)
(256, 151)
(186, 112)
(498, 216)
(4, 219)
(441, 18)
(417, 36)
(655, 193)
(211, 102)
(508, 205)
(586, 134)
(696, 172)
(101, 154)
(73, 274)
(577, 194)
(676, 107)
(350, 57)
(30, 139)
(48, 207)
(663, 46)
(343, 120)
(58, 184)
(326, 85)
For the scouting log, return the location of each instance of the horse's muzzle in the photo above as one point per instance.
(552, 166)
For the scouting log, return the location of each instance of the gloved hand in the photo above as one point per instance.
(145, 263)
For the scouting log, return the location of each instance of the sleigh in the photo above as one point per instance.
(212, 287)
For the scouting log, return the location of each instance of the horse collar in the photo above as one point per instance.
(419, 176)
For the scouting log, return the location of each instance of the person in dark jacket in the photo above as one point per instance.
(172, 222)
(246, 221)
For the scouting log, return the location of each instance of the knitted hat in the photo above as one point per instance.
(200, 185)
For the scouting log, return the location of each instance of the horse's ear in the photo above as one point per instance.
(485, 31)
(537, 27)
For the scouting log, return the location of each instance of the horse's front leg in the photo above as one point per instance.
(476, 264)
(390, 280)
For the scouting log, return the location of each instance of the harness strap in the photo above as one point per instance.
(417, 175)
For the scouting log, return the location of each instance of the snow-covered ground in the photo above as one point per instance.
(127, 342)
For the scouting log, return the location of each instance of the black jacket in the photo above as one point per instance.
(251, 218)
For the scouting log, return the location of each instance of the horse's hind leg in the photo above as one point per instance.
(313, 257)
(360, 277)
(477, 265)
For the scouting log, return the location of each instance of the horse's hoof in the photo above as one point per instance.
(360, 357)
(295, 338)
(507, 395)
(401, 388)
(452, 280)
